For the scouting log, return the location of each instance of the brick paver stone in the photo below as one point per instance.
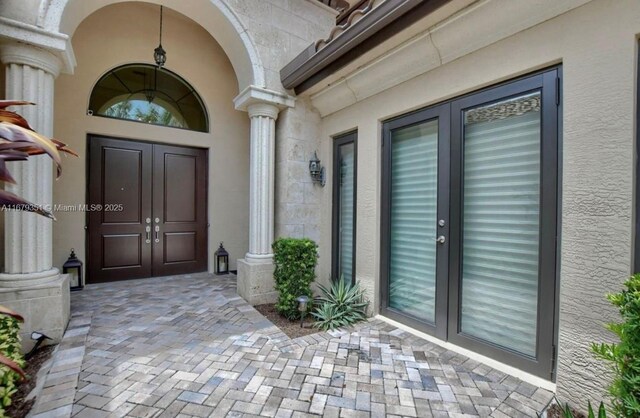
(190, 346)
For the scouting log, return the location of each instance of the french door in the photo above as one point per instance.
(469, 220)
(152, 219)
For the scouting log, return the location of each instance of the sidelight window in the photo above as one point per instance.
(344, 207)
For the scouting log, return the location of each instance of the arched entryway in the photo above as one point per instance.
(38, 46)
(197, 71)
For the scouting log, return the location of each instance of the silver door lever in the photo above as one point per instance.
(441, 239)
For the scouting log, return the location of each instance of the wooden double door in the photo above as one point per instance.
(147, 209)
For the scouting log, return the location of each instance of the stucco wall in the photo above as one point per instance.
(596, 45)
(127, 33)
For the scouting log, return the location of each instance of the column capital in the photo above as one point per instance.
(253, 95)
(32, 56)
(263, 109)
(31, 36)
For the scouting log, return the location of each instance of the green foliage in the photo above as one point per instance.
(339, 306)
(624, 357)
(295, 260)
(10, 348)
(567, 412)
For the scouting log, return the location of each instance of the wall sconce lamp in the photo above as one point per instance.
(316, 170)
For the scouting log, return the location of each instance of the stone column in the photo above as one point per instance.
(261, 184)
(30, 75)
(30, 284)
(255, 271)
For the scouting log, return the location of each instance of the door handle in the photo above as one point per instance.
(157, 228)
(441, 239)
(148, 231)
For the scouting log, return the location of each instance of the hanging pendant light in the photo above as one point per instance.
(159, 54)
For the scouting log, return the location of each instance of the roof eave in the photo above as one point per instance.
(310, 67)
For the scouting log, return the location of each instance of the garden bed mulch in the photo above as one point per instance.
(291, 328)
(20, 406)
(555, 411)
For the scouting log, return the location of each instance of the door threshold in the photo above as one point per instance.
(505, 368)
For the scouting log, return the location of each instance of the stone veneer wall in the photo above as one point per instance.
(298, 209)
(281, 29)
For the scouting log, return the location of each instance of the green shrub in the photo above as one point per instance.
(624, 357)
(11, 360)
(340, 305)
(295, 260)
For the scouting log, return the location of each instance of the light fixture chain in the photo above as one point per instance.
(161, 7)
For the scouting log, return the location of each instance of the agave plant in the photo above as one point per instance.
(340, 305)
(18, 141)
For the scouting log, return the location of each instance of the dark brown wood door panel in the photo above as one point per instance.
(179, 206)
(143, 186)
(119, 178)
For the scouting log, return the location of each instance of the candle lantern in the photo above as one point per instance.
(221, 261)
(73, 267)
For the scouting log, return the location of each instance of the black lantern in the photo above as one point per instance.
(222, 260)
(159, 54)
(316, 170)
(73, 267)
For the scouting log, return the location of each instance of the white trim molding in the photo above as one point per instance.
(446, 41)
(57, 44)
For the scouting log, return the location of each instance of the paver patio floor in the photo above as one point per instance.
(189, 346)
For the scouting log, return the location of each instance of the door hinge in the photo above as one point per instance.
(558, 87)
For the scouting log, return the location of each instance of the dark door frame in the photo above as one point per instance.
(440, 113)
(351, 137)
(89, 138)
(547, 81)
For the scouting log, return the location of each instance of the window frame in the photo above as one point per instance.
(338, 141)
(172, 74)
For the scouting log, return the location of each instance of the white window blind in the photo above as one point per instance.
(414, 188)
(501, 208)
(346, 215)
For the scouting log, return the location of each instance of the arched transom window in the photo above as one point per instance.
(148, 94)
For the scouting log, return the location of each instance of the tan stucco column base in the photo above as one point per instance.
(45, 308)
(255, 282)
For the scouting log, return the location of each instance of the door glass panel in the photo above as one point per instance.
(501, 207)
(346, 211)
(414, 181)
